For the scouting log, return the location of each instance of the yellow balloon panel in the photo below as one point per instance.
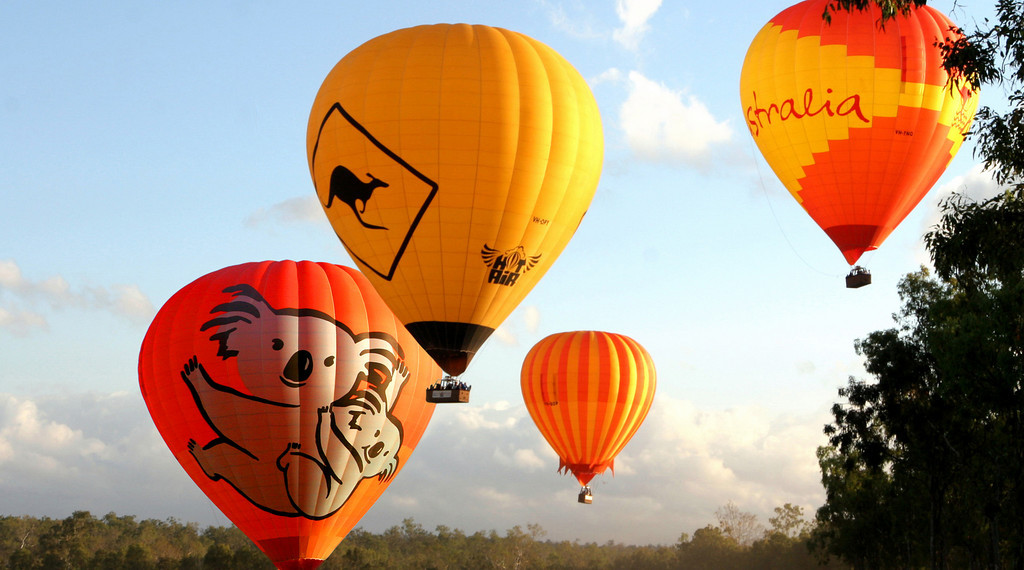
(857, 120)
(455, 162)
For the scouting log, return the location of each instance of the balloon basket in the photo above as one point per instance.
(858, 277)
(586, 497)
(448, 391)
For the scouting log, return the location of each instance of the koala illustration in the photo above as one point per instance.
(315, 416)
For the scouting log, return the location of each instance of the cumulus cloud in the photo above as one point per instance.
(56, 293)
(21, 322)
(478, 467)
(573, 18)
(634, 15)
(661, 124)
(682, 465)
(94, 452)
(531, 318)
(527, 318)
(975, 184)
(610, 75)
(297, 210)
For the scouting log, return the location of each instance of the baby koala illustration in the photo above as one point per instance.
(314, 418)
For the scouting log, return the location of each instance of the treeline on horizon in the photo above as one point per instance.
(112, 542)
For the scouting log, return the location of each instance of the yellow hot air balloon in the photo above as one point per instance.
(588, 392)
(454, 162)
(857, 119)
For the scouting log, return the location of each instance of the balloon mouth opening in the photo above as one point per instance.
(855, 239)
(584, 473)
(451, 345)
(453, 362)
(299, 564)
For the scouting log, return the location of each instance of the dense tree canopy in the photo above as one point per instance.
(82, 541)
(925, 462)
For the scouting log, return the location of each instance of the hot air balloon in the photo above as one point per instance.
(454, 162)
(285, 390)
(587, 392)
(857, 118)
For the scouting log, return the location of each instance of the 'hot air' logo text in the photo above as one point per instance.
(506, 266)
(793, 108)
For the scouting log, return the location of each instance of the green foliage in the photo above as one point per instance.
(890, 8)
(925, 464)
(82, 541)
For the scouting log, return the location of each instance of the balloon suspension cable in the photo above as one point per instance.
(764, 188)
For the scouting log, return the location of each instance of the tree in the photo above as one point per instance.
(931, 450)
(789, 522)
(709, 549)
(924, 464)
(741, 527)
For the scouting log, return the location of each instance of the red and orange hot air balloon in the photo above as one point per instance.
(588, 392)
(857, 118)
(288, 392)
(454, 162)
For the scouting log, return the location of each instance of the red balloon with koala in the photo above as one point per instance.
(287, 391)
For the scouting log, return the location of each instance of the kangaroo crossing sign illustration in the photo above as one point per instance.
(353, 190)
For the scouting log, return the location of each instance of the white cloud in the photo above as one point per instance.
(476, 468)
(661, 126)
(94, 452)
(531, 318)
(574, 18)
(10, 275)
(634, 15)
(681, 466)
(509, 331)
(126, 301)
(610, 75)
(298, 210)
(22, 323)
(976, 184)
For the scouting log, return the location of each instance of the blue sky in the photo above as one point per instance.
(145, 145)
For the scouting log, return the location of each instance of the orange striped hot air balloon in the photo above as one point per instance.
(454, 162)
(587, 392)
(290, 394)
(857, 118)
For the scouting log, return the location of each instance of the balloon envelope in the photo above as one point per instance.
(290, 394)
(858, 120)
(454, 162)
(588, 392)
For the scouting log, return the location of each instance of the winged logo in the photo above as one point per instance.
(506, 266)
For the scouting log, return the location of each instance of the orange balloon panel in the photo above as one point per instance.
(290, 394)
(588, 392)
(857, 120)
(454, 162)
